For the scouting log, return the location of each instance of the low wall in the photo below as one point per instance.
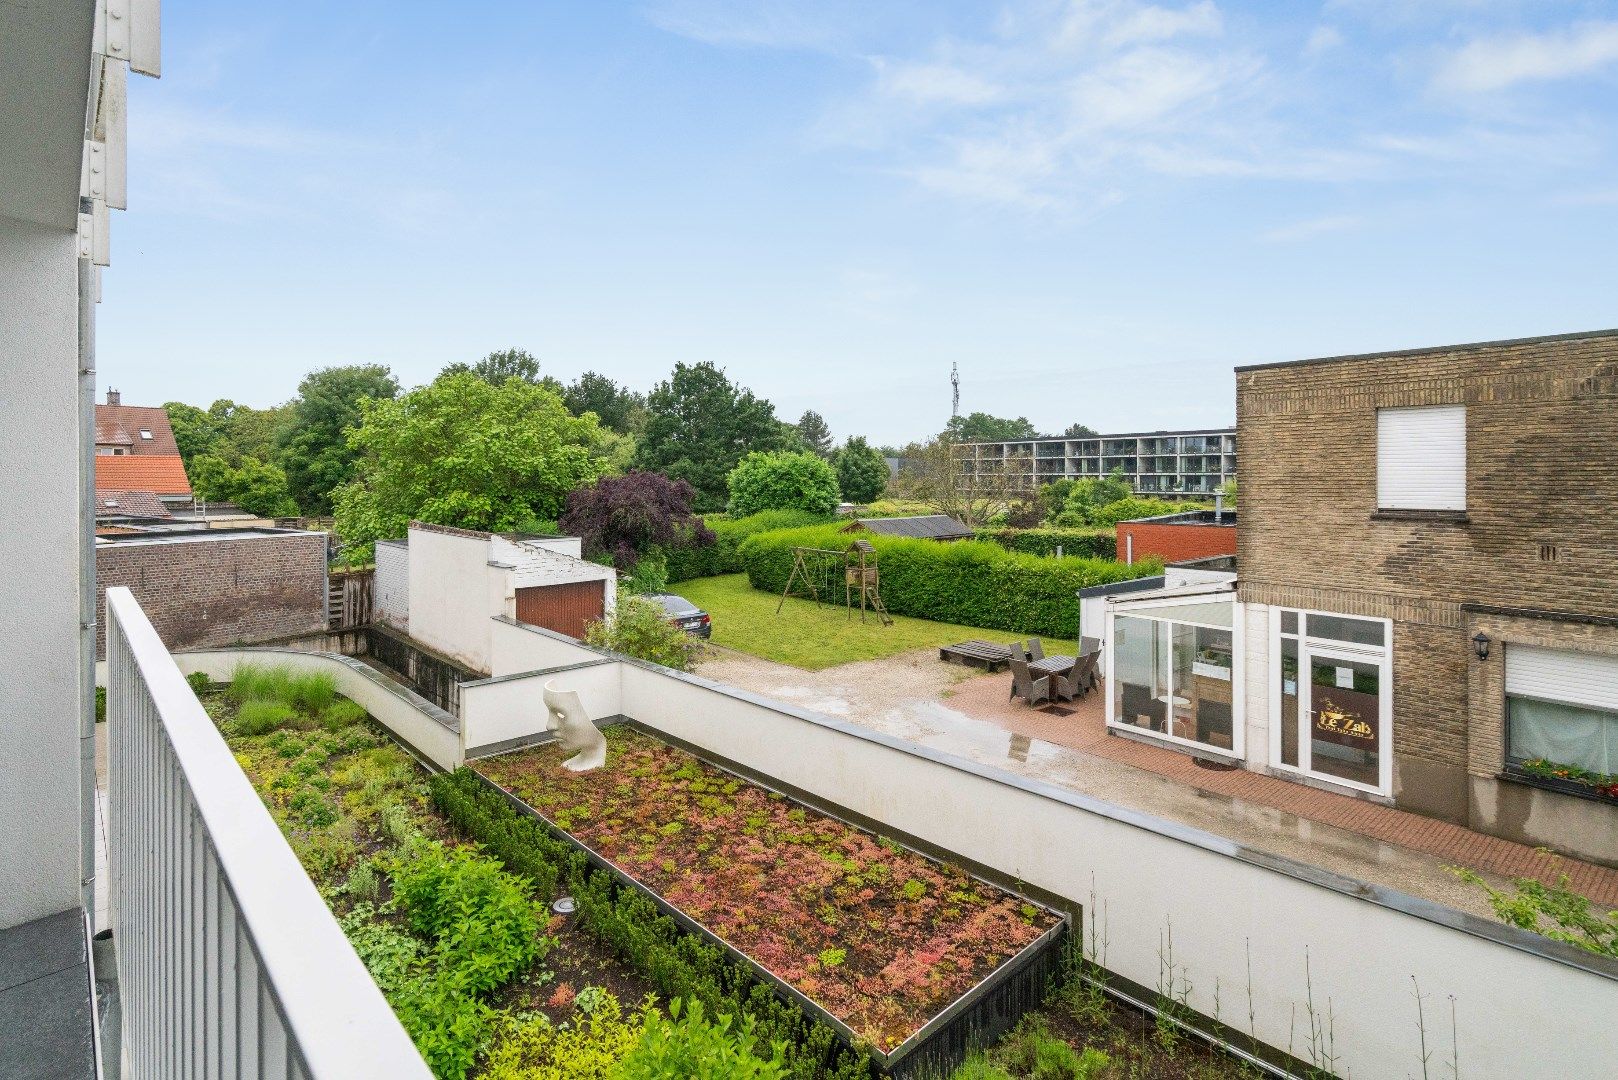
(432, 732)
(1174, 542)
(516, 647)
(505, 710)
(1234, 921)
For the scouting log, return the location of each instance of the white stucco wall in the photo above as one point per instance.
(40, 696)
(514, 708)
(453, 591)
(390, 594)
(1519, 1013)
(516, 648)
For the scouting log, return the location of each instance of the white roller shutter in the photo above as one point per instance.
(1574, 678)
(1421, 458)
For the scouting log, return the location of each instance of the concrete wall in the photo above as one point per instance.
(501, 709)
(1525, 1006)
(453, 591)
(516, 648)
(209, 590)
(391, 589)
(434, 733)
(41, 703)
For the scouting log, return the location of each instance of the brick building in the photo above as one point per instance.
(1429, 580)
(1196, 534)
(210, 588)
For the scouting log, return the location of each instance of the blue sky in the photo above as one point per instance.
(1095, 207)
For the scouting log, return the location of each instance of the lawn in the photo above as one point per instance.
(814, 636)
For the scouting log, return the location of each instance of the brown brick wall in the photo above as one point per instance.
(222, 590)
(1176, 543)
(1542, 469)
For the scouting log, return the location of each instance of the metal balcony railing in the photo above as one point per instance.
(229, 962)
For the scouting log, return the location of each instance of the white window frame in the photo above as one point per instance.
(1442, 500)
(1346, 650)
(1238, 690)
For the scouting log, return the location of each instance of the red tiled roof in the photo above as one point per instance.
(138, 472)
(111, 503)
(121, 425)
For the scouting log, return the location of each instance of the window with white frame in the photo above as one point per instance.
(1562, 708)
(1421, 458)
(1172, 668)
(1331, 698)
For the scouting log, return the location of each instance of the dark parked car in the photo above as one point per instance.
(684, 614)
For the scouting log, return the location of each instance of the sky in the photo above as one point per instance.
(1096, 208)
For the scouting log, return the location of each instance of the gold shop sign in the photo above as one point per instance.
(1332, 720)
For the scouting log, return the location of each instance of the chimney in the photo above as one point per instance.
(114, 397)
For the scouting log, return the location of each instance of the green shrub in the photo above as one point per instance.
(687, 1044)
(259, 717)
(342, 713)
(651, 575)
(587, 1048)
(198, 681)
(977, 1066)
(641, 628)
(312, 691)
(722, 556)
(1032, 1051)
(256, 681)
(782, 480)
(1128, 509)
(101, 703)
(972, 583)
(1083, 543)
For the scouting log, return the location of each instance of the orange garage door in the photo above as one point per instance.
(567, 608)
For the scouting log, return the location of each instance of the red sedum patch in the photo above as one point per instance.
(879, 936)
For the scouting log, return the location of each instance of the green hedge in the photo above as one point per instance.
(1085, 543)
(721, 556)
(971, 582)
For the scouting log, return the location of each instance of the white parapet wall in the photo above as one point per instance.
(516, 648)
(431, 731)
(506, 709)
(1346, 956)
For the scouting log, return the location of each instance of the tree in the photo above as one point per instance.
(465, 452)
(1076, 503)
(640, 627)
(815, 434)
(314, 450)
(939, 475)
(505, 364)
(256, 486)
(862, 473)
(196, 431)
(617, 407)
(981, 427)
(628, 516)
(1080, 431)
(782, 481)
(699, 426)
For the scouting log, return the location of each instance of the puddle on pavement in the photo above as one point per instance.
(810, 698)
(936, 725)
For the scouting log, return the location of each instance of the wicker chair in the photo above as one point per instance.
(1079, 678)
(1089, 645)
(1024, 684)
(1036, 649)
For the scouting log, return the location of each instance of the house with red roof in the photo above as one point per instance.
(137, 460)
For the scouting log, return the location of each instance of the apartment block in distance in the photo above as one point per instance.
(1154, 462)
(1428, 587)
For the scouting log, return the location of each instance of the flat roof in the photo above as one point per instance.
(1429, 350)
(1094, 438)
(191, 536)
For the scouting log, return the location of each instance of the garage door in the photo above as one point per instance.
(567, 608)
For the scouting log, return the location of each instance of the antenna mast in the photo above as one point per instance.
(955, 387)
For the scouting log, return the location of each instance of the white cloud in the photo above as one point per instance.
(1496, 63)
(777, 24)
(1313, 227)
(1324, 39)
(1117, 23)
(936, 84)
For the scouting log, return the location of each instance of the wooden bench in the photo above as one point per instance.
(983, 654)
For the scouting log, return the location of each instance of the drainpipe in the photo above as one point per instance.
(87, 586)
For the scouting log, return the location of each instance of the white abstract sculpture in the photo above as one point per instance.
(574, 730)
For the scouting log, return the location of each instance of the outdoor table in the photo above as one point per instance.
(1053, 665)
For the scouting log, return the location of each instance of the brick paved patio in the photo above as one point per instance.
(984, 698)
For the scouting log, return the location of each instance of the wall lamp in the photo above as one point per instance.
(1480, 643)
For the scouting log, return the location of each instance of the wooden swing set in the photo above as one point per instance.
(814, 570)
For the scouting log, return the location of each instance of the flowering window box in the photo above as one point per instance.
(895, 951)
(1567, 779)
